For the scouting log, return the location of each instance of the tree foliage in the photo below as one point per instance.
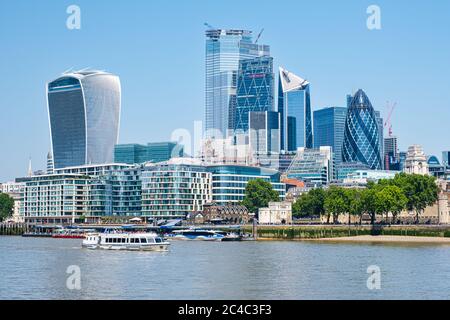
(258, 194)
(406, 191)
(6, 206)
(310, 204)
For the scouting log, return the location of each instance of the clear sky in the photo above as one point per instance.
(157, 49)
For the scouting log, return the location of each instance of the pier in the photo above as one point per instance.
(13, 229)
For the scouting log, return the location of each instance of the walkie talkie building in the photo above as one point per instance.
(361, 136)
(84, 115)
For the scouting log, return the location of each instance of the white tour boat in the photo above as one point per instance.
(125, 241)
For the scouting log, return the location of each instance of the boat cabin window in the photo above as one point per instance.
(158, 240)
(143, 240)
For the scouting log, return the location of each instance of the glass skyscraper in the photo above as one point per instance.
(84, 113)
(264, 133)
(255, 90)
(329, 125)
(361, 136)
(294, 106)
(224, 50)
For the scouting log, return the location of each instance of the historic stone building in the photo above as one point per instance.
(229, 214)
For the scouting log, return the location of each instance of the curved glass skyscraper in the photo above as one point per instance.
(361, 136)
(84, 115)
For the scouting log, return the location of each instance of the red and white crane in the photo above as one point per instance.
(387, 123)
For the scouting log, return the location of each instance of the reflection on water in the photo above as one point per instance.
(36, 269)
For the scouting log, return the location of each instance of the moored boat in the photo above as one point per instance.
(125, 241)
(69, 234)
(204, 235)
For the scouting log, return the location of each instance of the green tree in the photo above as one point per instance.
(336, 202)
(258, 194)
(390, 199)
(420, 191)
(368, 202)
(310, 204)
(355, 204)
(6, 206)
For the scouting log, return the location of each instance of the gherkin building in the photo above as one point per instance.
(361, 136)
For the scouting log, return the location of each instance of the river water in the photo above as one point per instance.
(33, 268)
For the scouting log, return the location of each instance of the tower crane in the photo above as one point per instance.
(259, 35)
(387, 123)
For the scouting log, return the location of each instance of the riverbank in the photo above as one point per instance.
(385, 239)
(321, 232)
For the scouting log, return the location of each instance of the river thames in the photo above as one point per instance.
(33, 268)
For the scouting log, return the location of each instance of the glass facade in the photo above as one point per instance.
(174, 190)
(312, 166)
(84, 112)
(255, 90)
(294, 106)
(224, 50)
(152, 152)
(361, 136)
(229, 182)
(264, 132)
(329, 125)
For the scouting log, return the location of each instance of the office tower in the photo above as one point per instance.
(391, 154)
(416, 161)
(152, 152)
(313, 166)
(264, 133)
(294, 106)
(435, 167)
(84, 113)
(361, 135)
(255, 90)
(329, 125)
(381, 135)
(224, 50)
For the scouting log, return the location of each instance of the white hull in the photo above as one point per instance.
(156, 247)
(125, 242)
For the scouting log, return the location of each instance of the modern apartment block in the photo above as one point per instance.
(84, 114)
(73, 193)
(59, 198)
(175, 189)
(152, 152)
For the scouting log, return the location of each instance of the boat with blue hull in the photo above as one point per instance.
(204, 235)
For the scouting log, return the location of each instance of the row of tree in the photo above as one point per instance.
(405, 192)
(6, 206)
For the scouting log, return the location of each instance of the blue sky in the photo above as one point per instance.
(157, 49)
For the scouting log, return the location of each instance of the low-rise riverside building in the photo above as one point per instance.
(226, 214)
(229, 182)
(58, 198)
(276, 213)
